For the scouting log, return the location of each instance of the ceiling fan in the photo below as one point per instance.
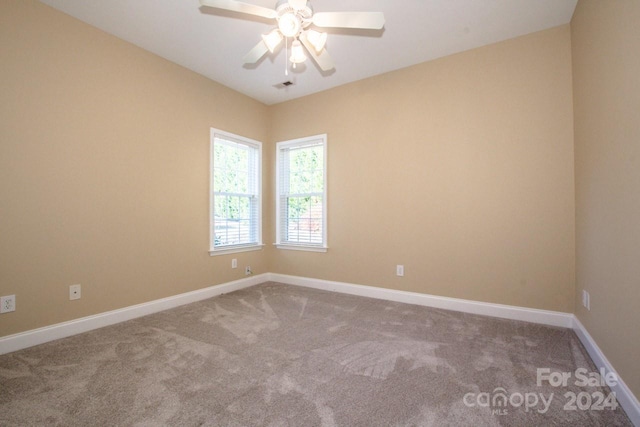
(294, 19)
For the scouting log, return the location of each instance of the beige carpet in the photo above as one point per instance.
(277, 355)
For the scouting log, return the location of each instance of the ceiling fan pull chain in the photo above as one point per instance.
(286, 56)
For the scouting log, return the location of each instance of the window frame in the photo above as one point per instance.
(321, 247)
(257, 145)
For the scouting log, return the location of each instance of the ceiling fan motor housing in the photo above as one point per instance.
(292, 21)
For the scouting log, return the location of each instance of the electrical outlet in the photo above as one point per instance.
(7, 304)
(75, 292)
(247, 271)
(586, 300)
(400, 270)
(234, 263)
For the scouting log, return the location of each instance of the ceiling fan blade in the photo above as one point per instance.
(256, 53)
(323, 59)
(298, 4)
(362, 20)
(237, 6)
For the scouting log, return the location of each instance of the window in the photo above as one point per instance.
(235, 213)
(301, 204)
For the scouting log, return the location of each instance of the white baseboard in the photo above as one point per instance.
(544, 317)
(33, 337)
(624, 395)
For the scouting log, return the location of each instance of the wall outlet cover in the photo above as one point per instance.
(75, 292)
(586, 300)
(7, 304)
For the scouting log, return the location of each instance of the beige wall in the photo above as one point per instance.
(606, 46)
(460, 168)
(104, 155)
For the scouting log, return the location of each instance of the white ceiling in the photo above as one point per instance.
(213, 43)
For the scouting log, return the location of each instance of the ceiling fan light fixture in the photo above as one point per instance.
(297, 53)
(317, 39)
(272, 40)
(289, 24)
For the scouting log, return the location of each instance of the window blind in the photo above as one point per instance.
(236, 191)
(301, 193)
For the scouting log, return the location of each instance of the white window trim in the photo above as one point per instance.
(306, 248)
(235, 248)
(302, 247)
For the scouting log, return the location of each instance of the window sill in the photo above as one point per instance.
(289, 247)
(236, 249)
